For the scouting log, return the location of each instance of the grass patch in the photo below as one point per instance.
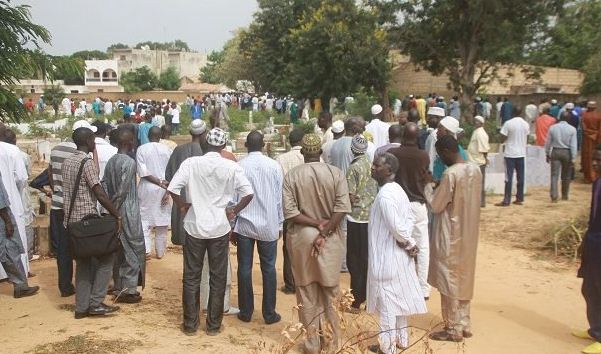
(85, 343)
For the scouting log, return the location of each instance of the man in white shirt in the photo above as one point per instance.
(211, 182)
(287, 162)
(377, 128)
(104, 150)
(515, 134)
(174, 119)
(477, 151)
(337, 133)
(324, 127)
(260, 223)
(108, 107)
(531, 113)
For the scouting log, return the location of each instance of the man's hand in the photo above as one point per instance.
(165, 199)
(318, 245)
(164, 184)
(233, 238)
(10, 228)
(413, 251)
(323, 226)
(231, 214)
(119, 225)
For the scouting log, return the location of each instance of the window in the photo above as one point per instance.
(122, 57)
(100, 90)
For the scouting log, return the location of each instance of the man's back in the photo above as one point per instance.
(543, 123)
(516, 130)
(58, 155)
(85, 200)
(152, 159)
(341, 154)
(414, 173)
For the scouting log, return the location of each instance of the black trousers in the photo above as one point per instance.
(288, 277)
(194, 252)
(356, 260)
(64, 257)
(590, 272)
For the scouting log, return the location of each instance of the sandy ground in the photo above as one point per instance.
(524, 302)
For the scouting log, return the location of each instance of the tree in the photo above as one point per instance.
(53, 95)
(140, 79)
(177, 45)
(169, 79)
(338, 49)
(208, 73)
(20, 41)
(116, 46)
(90, 55)
(592, 75)
(67, 69)
(469, 39)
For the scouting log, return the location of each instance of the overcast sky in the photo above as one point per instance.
(95, 24)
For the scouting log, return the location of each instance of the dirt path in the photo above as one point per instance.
(523, 304)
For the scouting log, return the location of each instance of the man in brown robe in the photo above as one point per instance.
(315, 201)
(454, 242)
(591, 128)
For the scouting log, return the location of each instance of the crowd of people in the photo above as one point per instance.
(397, 206)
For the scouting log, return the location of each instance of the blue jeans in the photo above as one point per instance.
(517, 165)
(267, 255)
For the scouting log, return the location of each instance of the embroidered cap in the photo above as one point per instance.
(311, 143)
(359, 144)
(216, 137)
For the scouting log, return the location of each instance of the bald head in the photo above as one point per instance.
(10, 137)
(413, 115)
(154, 134)
(354, 126)
(2, 130)
(410, 133)
(254, 141)
(395, 133)
(83, 137)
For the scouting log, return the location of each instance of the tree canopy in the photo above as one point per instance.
(20, 41)
(469, 39)
(169, 79)
(140, 79)
(116, 46)
(208, 73)
(177, 45)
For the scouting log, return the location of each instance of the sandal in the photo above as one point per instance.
(445, 336)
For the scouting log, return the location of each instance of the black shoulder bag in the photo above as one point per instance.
(94, 235)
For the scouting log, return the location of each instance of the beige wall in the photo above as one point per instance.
(186, 63)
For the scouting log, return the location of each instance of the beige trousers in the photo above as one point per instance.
(456, 315)
(319, 317)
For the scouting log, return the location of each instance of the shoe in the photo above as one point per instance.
(286, 290)
(80, 315)
(581, 333)
(502, 204)
(68, 293)
(467, 334)
(189, 331)
(30, 275)
(128, 299)
(277, 318)
(445, 336)
(375, 348)
(102, 309)
(35, 257)
(243, 319)
(29, 291)
(426, 298)
(231, 311)
(214, 332)
(517, 202)
(594, 348)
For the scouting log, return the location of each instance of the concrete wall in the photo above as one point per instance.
(186, 63)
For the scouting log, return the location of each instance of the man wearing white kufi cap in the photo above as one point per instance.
(434, 116)
(377, 128)
(447, 126)
(478, 151)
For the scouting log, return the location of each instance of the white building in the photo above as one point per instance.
(102, 76)
(186, 63)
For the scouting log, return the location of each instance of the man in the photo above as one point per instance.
(420, 106)
(315, 202)
(477, 152)
(341, 154)
(288, 161)
(196, 110)
(453, 250)
(554, 109)
(447, 126)
(454, 108)
(120, 182)
(155, 207)
(144, 128)
(11, 249)
(591, 128)
(108, 107)
(260, 222)
(207, 226)
(104, 150)
(412, 177)
(561, 149)
(506, 111)
(362, 192)
(324, 122)
(174, 118)
(166, 138)
(395, 134)
(531, 112)
(198, 131)
(515, 136)
(393, 290)
(92, 274)
(377, 128)
(338, 132)
(543, 124)
(435, 114)
(590, 265)
(14, 178)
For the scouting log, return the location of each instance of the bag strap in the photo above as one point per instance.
(77, 181)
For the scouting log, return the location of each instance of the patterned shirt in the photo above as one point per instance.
(85, 200)
(362, 187)
(58, 155)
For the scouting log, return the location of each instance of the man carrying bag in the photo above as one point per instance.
(93, 239)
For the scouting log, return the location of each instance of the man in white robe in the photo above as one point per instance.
(393, 290)
(378, 128)
(155, 205)
(14, 177)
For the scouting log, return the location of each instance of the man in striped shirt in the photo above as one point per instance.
(260, 222)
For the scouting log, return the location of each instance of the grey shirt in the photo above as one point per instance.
(562, 136)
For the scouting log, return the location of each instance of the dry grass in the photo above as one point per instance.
(89, 344)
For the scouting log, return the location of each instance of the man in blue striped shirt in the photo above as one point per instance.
(260, 222)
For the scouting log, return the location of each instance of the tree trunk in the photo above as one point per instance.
(388, 116)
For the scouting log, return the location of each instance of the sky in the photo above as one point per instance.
(96, 24)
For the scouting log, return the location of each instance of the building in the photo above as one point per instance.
(102, 76)
(186, 63)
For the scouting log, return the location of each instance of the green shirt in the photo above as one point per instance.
(362, 186)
